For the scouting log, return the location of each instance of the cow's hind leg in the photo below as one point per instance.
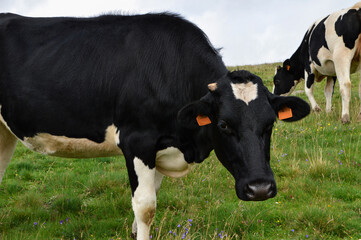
(7, 147)
(329, 87)
(342, 61)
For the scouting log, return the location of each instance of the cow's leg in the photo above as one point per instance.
(142, 176)
(7, 147)
(359, 94)
(342, 67)
(157, 183)
(309, 83)
(329, 87)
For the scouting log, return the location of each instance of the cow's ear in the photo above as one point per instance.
(196, 114)
(287, 64)
(289, 109)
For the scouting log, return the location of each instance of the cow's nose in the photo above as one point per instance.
(259, 191)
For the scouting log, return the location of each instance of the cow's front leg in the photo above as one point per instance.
(309, 83)
(329, 88)
(142, 180)
(157, 183)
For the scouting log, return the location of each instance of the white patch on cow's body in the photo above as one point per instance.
(2, 120)
(246, 92)
(62, 146)
(144, 198)
(171, 163)
(116, 137)
(7, 145)
(327, 67)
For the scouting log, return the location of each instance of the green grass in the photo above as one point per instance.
(317, 166)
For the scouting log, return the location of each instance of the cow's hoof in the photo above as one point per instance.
(329, 110)
(317, 109)
(133, 236)
(345, 119)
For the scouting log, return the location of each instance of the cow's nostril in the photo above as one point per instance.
(249, 192)
(259, 191)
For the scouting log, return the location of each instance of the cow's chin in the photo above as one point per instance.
(256, 192)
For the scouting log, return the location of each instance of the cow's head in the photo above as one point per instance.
(242, 113)
(286, 79)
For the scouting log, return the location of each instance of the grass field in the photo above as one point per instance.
(317, 166)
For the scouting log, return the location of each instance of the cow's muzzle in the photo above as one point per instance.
(259, 190)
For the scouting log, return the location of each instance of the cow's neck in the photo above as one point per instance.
(196, 144)
(298, 63)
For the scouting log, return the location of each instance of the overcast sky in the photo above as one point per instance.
(249, 31)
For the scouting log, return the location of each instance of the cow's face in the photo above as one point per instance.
(242, 112)
(285, 79)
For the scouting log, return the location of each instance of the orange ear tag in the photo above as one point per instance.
(203, 120)
(285, 113)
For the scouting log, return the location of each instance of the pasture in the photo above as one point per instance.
(317, 167)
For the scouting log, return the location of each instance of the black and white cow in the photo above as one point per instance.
(135, 85)
(331, 47)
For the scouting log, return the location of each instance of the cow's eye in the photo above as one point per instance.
(277, 82)
(223, 126)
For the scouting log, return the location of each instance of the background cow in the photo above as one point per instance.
(331, 47)
(136, 85)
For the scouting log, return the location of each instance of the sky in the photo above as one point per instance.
(249, 32)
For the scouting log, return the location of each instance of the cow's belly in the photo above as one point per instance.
(171, 163)
(327, 67)
(62, 146)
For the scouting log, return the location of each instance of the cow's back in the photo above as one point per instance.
(77, 77)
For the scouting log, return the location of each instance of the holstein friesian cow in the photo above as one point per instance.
(331, 47)
(150, 87)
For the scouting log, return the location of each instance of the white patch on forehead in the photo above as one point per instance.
(171, 163)
(246, 92)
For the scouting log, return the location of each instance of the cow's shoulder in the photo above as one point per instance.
(317, 39)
